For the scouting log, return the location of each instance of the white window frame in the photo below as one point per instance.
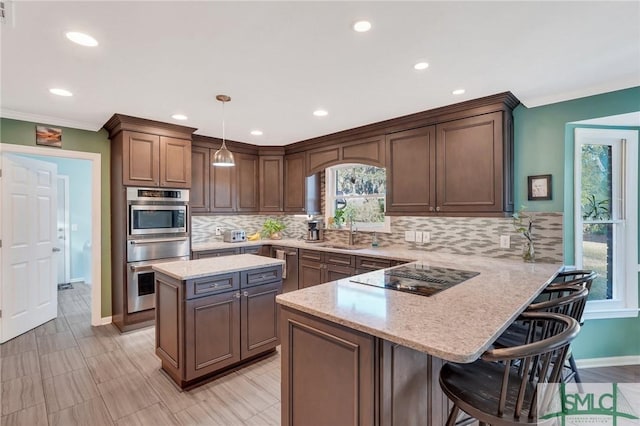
(330, 190)
(624, 302)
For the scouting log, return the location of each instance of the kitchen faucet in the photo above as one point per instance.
(352, 231)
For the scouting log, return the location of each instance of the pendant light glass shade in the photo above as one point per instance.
(223, 157)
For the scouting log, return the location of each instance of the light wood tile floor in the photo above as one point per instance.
(67, 373)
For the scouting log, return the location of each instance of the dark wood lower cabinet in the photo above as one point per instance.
(208, 325)
(335, 375)
(212, 334)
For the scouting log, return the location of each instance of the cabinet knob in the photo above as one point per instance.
(238, 295)
(438, 208)
(245, 294)
(431, 208)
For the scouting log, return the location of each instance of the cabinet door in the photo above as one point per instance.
(470, 164)
(141, 158)
(334, 272)
(200, 165)
(310, 273)
(212, 333)
(260, 319)
(294, 183)
(222, 196)
(175, 162)
(333, 380)
(411, 171)
(271, 183)
(246, 186)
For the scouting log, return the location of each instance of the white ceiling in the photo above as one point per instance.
(279, 61)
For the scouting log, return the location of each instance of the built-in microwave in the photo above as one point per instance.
(157, 211)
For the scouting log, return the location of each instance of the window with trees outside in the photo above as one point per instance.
(606, 220)
(356, 192)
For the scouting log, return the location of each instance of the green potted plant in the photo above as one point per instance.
(338, 218)
(272, 228)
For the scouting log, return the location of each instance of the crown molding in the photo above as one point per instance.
(45, 119)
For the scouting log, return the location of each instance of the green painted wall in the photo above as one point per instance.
(23, 133)
(543, 145)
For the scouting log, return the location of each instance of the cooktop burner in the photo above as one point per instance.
(416, 278)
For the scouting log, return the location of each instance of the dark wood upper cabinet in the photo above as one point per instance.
(294, 183)
(271, 183)
(411, 171)
(460, 167)
(246, 187)
(141, 158)
(200, 167)
(363, 151)
(469, 158)
(222, 183)
(152, 160)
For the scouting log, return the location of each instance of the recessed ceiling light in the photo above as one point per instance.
(362, 26)
(421, 66)
(179, 117)
(256, 132)
(320, 113)
(60, 92)
(458, 92)
(82, 39)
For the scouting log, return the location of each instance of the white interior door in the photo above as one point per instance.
(64, 235)
(28, 278)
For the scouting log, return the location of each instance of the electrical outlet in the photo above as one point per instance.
(218, 230)
(505, 241)
(74, 227)
(409, 236)
(418, 237)
(426, 237)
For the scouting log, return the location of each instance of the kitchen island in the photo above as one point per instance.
(216, 314)
(359, 354)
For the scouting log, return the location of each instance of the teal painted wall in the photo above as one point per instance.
(23, 133)
(543, 145)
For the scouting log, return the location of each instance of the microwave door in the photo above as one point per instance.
(148, 220)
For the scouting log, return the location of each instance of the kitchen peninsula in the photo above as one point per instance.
(215, 314)
(373, 354)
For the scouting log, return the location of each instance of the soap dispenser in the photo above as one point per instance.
(374, 240)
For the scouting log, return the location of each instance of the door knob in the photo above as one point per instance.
(55, 249)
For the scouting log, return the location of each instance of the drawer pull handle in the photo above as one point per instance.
(214, 285)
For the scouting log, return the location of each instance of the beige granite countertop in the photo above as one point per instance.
(397, 253)
(189, 269)
(457, 324)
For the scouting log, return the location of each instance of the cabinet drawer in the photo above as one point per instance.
(260, 276)
(215, 253)
(312, 255)
(372, 263)
(339, 259)
(252, 250)
(199, 287)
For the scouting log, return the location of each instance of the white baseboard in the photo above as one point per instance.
(77, 280)
(612, 361)
(106, 320)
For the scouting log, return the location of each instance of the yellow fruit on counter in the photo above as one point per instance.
(254, 237)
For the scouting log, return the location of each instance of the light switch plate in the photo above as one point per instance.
(426, 237)
(418, 237)
(505, 241)
(409, 236)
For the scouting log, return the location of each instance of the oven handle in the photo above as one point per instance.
(135, 268)
(157, 240)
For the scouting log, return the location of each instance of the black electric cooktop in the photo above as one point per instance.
(416, 279)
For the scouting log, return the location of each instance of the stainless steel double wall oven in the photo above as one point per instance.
(157, 231)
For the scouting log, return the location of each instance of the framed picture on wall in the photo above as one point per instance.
(539, 187)
(49, 136)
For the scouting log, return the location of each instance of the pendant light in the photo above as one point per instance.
(223, 157)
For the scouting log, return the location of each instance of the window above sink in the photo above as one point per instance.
(359, 191)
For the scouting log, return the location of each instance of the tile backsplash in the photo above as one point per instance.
(457, 235)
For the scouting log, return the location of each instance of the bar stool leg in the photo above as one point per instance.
(453, 416)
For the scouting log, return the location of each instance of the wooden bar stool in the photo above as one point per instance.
(500, 388)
